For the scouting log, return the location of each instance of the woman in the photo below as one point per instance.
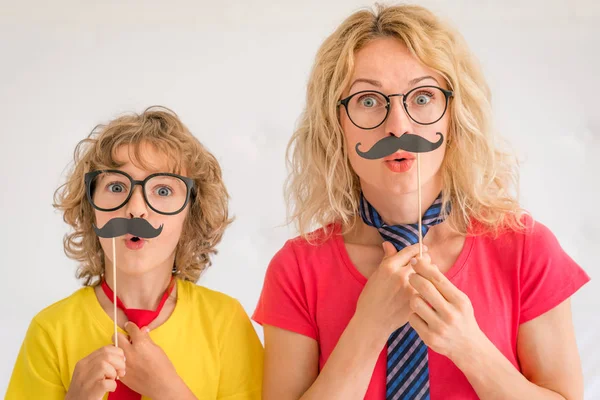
(352, 310)
(175, 340)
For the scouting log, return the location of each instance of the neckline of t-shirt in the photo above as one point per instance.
(456, 268)
(105, 323)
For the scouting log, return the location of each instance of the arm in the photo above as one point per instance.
(443, 317)
(292, 364)
(549, 362)
(292, 359)
(241, 354)
(36, 373)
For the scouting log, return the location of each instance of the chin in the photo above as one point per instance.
(399, 185)
(137, 266)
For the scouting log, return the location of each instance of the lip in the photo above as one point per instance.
(399, 155)
(400, 166)
(131, 245)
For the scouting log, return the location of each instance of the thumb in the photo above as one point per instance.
(388, 249)
(134, 332)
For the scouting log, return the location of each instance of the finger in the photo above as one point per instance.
(425, 258)
(119, 364)
(107, 350)
(388, 250)
(419, 325)
(103, 386)
(106, 353)
(124, 342)
(429, 293)
(135, 334)
(106, 370)
(110, 385)
(402, 257)
(433, 274)
(423, 310)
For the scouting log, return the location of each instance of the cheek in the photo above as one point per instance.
(100, 219)
(367, 139)
(172, 229)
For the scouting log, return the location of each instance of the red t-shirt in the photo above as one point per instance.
(313, 289)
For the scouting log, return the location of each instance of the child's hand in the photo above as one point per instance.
(96, 374)
(149, 370)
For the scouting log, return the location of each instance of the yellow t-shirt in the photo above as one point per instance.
(208, 338)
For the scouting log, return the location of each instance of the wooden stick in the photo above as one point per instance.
(420, 213)
(114, 251)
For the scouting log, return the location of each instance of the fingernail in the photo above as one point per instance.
(147, 330)
(126, 324)
(413, 261)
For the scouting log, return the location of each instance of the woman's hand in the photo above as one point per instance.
(149, 370)
(384, 301)
(96, 374)
(441, 314)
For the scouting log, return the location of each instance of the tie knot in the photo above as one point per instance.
(401, 235)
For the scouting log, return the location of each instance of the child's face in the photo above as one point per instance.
(146, 255)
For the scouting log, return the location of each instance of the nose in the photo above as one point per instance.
(398, 122)
(136, 206)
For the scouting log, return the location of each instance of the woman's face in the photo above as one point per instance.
(386, 65)
(137, 257)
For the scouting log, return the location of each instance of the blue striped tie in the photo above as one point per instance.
(407, 375)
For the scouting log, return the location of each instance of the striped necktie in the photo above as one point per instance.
(407, 376)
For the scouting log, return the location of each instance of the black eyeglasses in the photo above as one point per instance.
(165, 193)
(425, 105)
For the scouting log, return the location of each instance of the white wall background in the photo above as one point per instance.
(235, 72)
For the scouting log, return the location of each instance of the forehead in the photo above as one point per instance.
(144, 159)
(389, 61)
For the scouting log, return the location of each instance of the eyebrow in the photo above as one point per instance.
(369, 81)
(422, 78)
(378, 84)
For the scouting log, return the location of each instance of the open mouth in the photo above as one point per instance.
(135, 239)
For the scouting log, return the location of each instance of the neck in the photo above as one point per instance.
(398, 209)
(140, 291)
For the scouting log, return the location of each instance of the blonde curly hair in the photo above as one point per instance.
(480, 181)
(160, 127)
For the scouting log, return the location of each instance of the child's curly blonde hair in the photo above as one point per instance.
(161, 128)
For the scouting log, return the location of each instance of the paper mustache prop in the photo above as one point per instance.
(138, 227)
(407, 142)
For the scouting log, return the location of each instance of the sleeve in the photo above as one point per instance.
(283, 301)
(548, 274)
(36, 374)
(241, 354)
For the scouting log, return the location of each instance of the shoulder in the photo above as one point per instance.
(215, 306)
(313, 246)
(532, 236)
(59, 313)
(209, 298)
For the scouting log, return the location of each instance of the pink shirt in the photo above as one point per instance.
(313, 290)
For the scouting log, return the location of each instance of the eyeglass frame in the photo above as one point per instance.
(447, 94)
(190, 185)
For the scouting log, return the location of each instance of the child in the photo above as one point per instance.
(183, 341)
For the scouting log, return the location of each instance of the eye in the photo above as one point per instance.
(164, 191)
(369, 101)
(422, 98)
(116, 187)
